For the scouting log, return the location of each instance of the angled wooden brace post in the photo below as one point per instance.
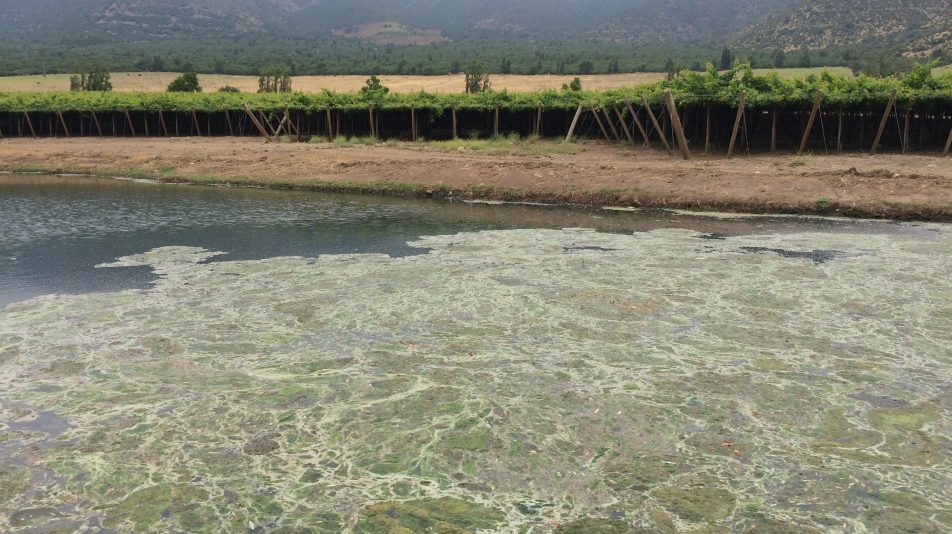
(195, 119)
(600, 124)
(29, 123)
(806, 134)
(611, 124)
(676, 124)
(165, 131)
(882, 125)
(637, 121)
(63, 122)
(255, 121)
(624, 125)
(132, 127)
(740, 116)
(578, 114)
(654, 121)
(948, 145)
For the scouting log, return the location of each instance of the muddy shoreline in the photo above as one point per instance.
(904, 187)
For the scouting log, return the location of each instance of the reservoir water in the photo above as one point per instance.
(194, 359)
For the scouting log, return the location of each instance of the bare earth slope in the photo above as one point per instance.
(885, 186)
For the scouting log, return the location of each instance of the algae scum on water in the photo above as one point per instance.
(505, 381)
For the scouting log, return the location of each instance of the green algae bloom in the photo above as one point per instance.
(504, 381)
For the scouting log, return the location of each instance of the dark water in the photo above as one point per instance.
(55, 230)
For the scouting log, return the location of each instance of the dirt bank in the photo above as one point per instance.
(907, 187)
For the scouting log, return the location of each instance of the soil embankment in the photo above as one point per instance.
(895, 186)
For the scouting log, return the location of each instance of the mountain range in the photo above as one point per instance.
(915, 28)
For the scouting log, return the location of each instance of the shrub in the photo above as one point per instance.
(575, 85)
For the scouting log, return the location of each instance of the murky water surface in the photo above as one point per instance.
(383, 365)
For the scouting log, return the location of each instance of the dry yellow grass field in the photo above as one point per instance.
(453, 83)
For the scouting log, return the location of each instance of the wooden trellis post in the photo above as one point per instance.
(231, 130)
(839, 131)
(496, 122)
(538, 124)
(740, 115)
(578, 113)
(948, 144)
(330, 125)
(96, 122)
(773, 131)
(707, 130)
(905, 131)
(810, 121)
(455, 130)
(654, 121)
(413, 124)
(882, 124)
(676, 124)
(370, 111)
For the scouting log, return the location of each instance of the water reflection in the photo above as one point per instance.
(55, 229)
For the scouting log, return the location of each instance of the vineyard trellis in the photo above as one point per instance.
(710, 109)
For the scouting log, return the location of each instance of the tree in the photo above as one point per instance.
(455, 66)
(96, 79)
(806, 61)
(727, 59)
(373, 90)
(670, 69)
(506, 66)
(613, 66)
(477, 80)
(586, 67)
(779, 58)
(229, 89)
(274, 80)
(186, 83)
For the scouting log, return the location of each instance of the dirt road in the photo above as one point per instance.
(910, 187)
